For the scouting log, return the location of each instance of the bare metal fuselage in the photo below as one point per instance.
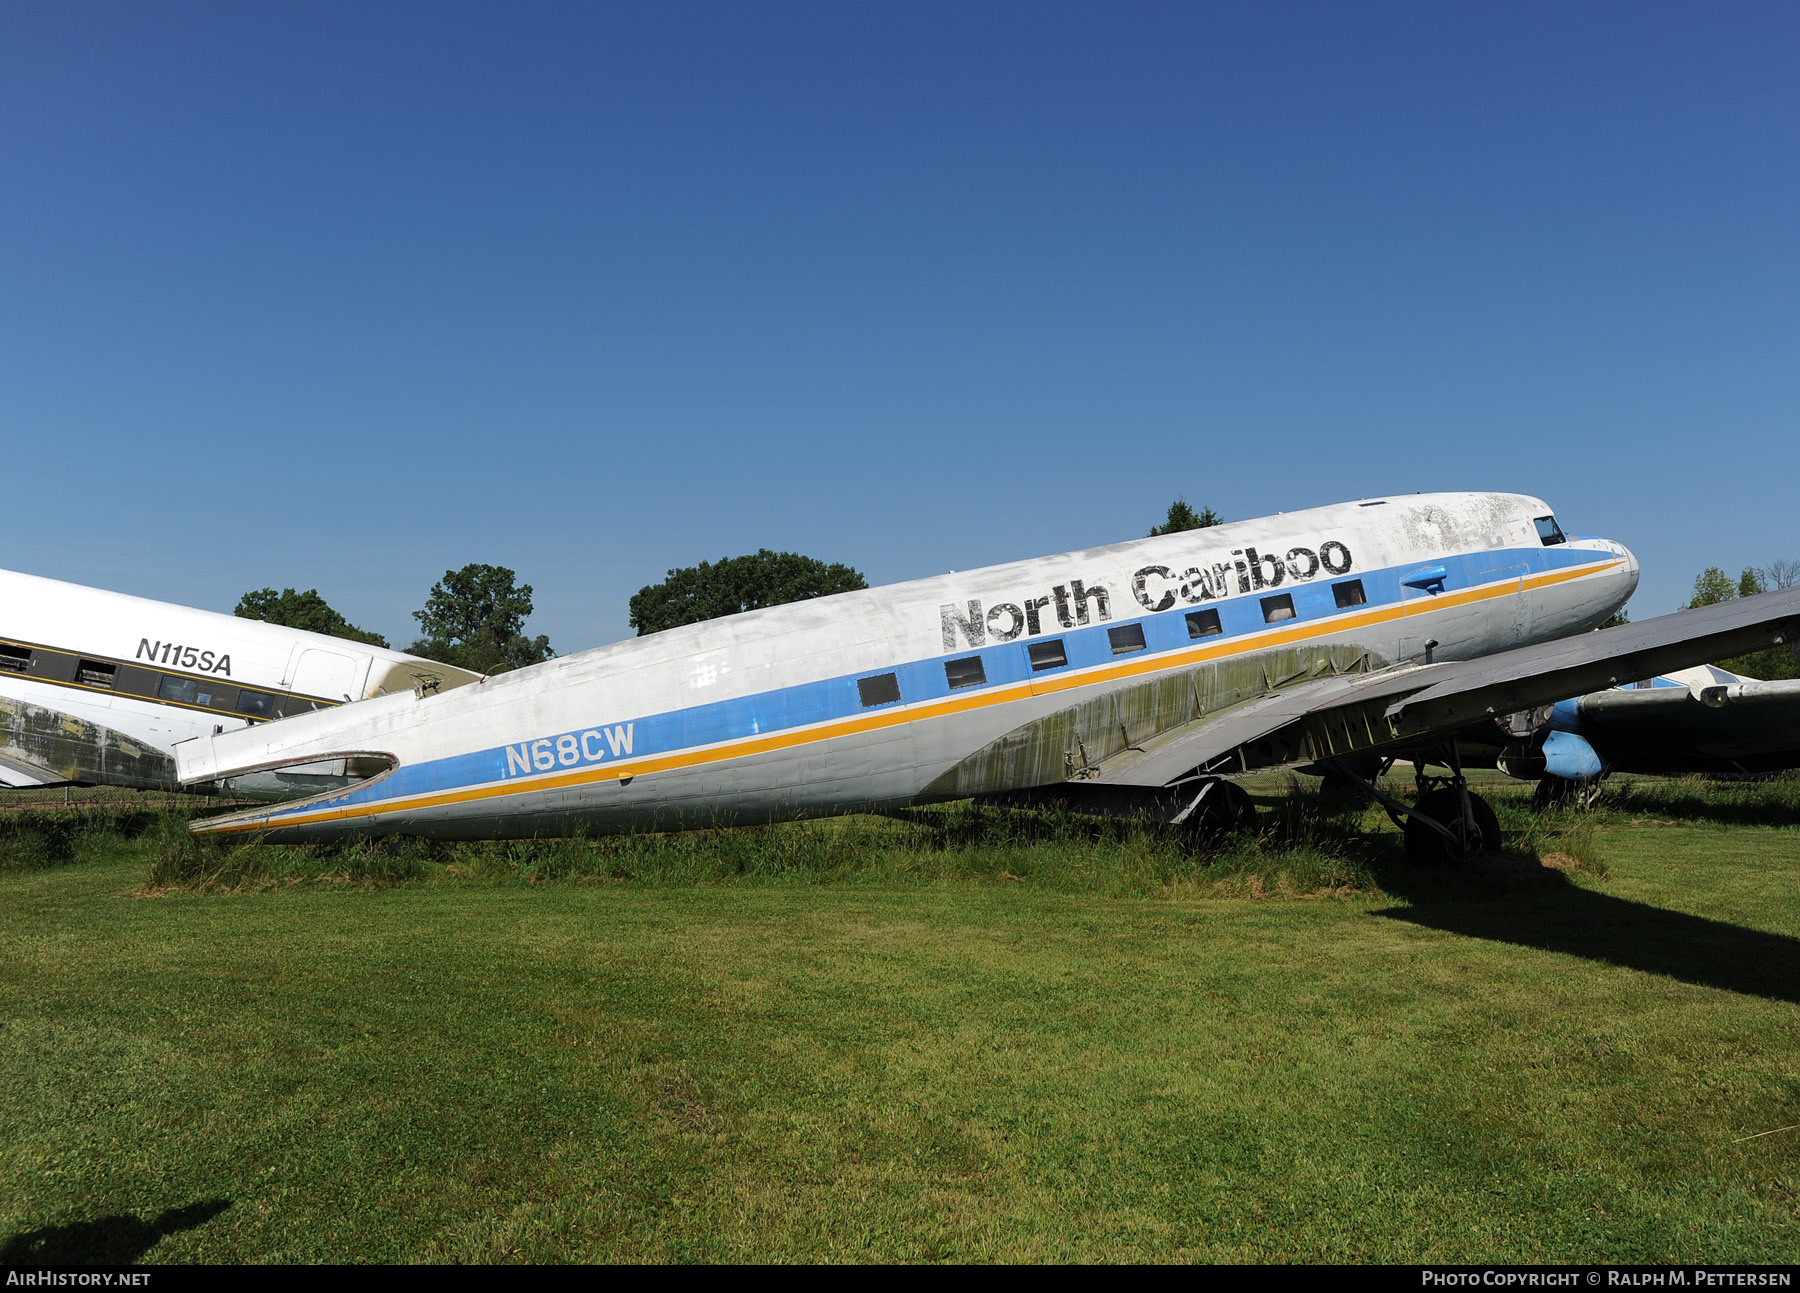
(967, 683)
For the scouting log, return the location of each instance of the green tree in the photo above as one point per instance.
(1183, 517)
(474, 619)
(1619, 620)
(1713, 586)
(305, 610)
(735, 584)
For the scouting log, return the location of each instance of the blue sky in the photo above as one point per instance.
(343, 296)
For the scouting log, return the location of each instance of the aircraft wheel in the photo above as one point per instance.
(1425, 847)
(1225, 809)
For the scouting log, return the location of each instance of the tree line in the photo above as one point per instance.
(474, 618)
(1713, 585)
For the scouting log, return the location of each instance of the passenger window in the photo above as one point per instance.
(1126, 638)
(881, 689)
(966, 672)
(1048, 655)
(256, 704)
(95, 673)
(1278, 608)
(1349, 593)
(14, 659)
(1549, 531)
(1204, 624)
(179, 690)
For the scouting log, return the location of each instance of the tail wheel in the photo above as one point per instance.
(1225, 808)
(1426, 847)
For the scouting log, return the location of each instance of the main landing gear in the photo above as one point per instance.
(1447, 823)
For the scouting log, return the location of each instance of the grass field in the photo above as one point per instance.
(951, 1037)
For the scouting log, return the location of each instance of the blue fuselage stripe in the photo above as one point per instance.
(807, 704)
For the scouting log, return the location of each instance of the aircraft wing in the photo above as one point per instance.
(1417, 706)
(20, 774)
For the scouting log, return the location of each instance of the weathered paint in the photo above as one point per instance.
(759, 716)
(63, 748)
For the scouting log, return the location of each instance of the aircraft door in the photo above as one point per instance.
(325, 674)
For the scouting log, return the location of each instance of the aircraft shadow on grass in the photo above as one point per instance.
(106, 1241)
(1516, 900)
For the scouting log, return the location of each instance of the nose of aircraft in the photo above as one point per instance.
(1627, 574)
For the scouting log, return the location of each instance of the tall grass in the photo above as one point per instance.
(36, 838)
(1306, 842)
(180, 859)
(1737, 801)
(1309, 844)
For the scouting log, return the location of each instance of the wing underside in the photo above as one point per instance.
(1339, 706)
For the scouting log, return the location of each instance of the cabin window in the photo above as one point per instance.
(1126, 638)
(1204, 624)
(1278, 608)
(179, 690)
(966, 672)
(1048, 655)
(255, 704)
(96, 673)
(1349, 593)
(14, 659)
(881, 689)
(1549, 531)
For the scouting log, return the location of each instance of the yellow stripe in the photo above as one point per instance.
(745, 747)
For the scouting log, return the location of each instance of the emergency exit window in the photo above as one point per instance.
(1048, 655)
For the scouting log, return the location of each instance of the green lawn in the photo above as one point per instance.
(1511, 1063)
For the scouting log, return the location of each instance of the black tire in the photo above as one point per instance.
(1226, 809)
(1425, 847)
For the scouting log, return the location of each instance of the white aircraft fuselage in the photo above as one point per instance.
(97, 687)
(967, 683)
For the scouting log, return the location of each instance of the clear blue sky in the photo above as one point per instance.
(346, 295)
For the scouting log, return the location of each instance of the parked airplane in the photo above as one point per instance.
(1704, 719)
(96, 687)
(1122, 678)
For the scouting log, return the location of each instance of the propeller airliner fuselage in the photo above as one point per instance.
(1110, 668)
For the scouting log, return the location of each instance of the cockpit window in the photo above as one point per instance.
(1548, 530)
